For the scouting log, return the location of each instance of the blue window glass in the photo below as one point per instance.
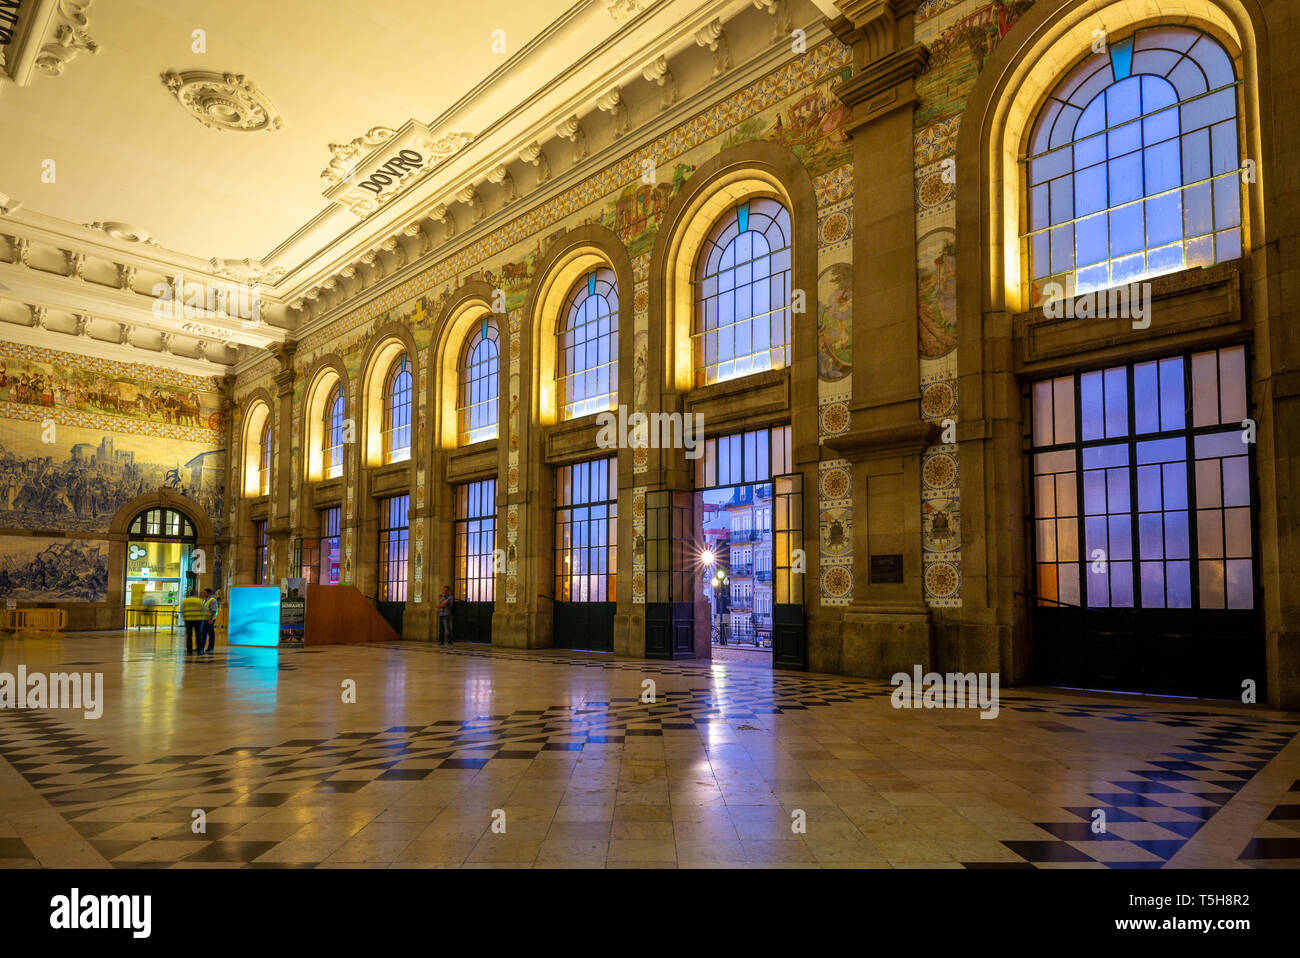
(476, 409)
(397, 412)
(587, 347)
(1146, 134)
(742, 293)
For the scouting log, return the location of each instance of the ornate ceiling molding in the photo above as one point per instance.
(626, 9)
(223, 101)
(247, 270)
(124, 232)
(367, 172)
(44, 35)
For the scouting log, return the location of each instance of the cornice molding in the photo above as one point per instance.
(680, 112)
(104, 349)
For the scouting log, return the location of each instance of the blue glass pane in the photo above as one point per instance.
(1120, 531)
(1092, 239)
(1151, 539)
(1174, 478)
(1092, 120)
(1153, 584)
(1062, 248)
(1090, 190)
(1227, 203)
(1125, 139)
(1126, 230)
(1146, 407)
(1089, 152)
(1156, 93)
(1227, 245)
(1164, 220)
(1117, 404)
(1101, 457)
(1224, 138)
(1173, 412)
(1125, 179)
(1165, 260)
(1121, 59)
(1062, 200)
(1128, 269)
(1162, 126)
(1123, 101)
(1179, 585)
(1196, 156)
(1094, 277)
(1090, 396)
(1198, 216)
(1162, 450)
(1162, 167)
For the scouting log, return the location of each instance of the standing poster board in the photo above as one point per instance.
(293, 609)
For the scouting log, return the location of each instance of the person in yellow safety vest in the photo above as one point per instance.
(192, 612)
(209, 630)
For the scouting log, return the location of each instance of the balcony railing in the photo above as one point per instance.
(742, 634)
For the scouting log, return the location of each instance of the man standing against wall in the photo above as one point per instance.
(446, 605)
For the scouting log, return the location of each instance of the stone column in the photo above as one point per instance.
(278, 529)
(887, 627)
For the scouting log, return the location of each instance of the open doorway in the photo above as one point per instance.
(749, 535)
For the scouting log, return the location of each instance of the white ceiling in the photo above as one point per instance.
(125, 150)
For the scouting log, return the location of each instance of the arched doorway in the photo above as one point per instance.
(162, 546)
(162, 566)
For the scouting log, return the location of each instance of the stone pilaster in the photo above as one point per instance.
(887, 627)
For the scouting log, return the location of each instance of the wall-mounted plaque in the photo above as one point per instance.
(887, 568)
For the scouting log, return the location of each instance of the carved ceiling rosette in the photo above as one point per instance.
(223, 101)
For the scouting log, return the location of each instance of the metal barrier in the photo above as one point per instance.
(44, 621)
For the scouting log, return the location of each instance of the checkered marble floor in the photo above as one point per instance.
(476, 757)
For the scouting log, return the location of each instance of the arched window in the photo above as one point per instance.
(742, 293)
(1134, 165)
(162, 524)
(264, 461)
(332, 433)
(397, 412)
(588, 346)
(476, 406)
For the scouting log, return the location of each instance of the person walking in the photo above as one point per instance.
(209, 630)
(192, 613)
(446, 608)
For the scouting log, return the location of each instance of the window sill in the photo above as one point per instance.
(1188, 309)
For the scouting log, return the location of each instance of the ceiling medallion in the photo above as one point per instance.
(223, 101)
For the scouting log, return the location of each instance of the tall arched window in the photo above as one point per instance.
(742, 293)
(587, 377)
(264, 461)
(332, 434)
(397, 412)
(476, 406)
(1134, 163)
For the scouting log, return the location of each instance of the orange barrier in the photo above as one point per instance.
(43, 621)
(340, 614)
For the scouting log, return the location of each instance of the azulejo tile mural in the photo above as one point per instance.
(835, 532)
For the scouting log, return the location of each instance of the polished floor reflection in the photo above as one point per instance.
(474, 757)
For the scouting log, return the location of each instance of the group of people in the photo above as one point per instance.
(200, 617)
